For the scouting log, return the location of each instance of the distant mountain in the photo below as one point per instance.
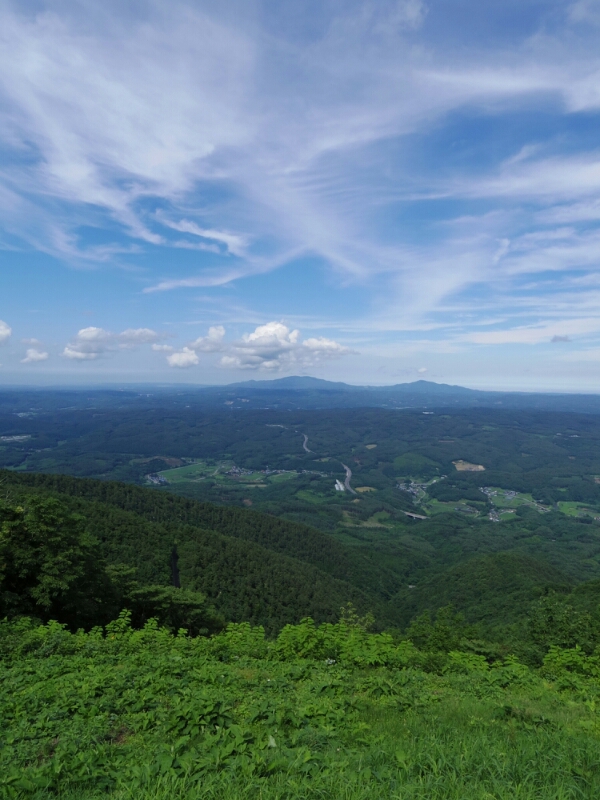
(306, 383)
(292, 392)
(307, 392)
(427, 387)
(295, 382)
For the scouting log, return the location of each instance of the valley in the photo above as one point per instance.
(412, 570)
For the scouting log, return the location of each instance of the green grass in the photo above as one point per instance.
(200, 471)
(147, 715)
(283, 477)
(434, 506)
(190, 472)
(500, 501)
(311, 497)
(573, 509)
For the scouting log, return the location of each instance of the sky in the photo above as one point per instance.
(374, 191)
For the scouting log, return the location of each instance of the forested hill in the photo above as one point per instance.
(79, 550)
(251, 566)
(280, 536)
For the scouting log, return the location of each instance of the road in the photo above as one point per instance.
(348, 470)
(347, 481)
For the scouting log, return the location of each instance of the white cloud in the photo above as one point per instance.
(33, 355)
(211, 343)
(560, 331)
(134, 336)
(5, 332)
(585, 11)
(162, 348)
(149, 102)
(77, 355)
(273, 347)
(91, 343)
(183, 358)
(234, 244)
(292, 127)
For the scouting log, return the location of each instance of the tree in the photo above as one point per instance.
(553, 621)
(49, 567)
(443, 634)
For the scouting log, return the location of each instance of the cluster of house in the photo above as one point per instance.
(159, 480)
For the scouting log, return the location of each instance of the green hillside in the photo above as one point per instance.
(297, 541)
(320, 712)
(266, 570)
(492, 590)
(243, 579)
(144, 654)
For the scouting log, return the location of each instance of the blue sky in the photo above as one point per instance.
(373, 192)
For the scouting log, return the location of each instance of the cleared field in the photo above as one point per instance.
(466, 466)
(511, 500)
(434, 506)
(191, 472)
(222, 474)
(574, 509)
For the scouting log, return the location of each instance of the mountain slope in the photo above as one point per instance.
(494, 590)
(245, 578)
(272, 533)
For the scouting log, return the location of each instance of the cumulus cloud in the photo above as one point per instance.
(211, 343)
(34, 355)
(271, 347)
(162, 348)
(5, 331)
(188, 356)
(183, 358)
(91, 343)
(134, 336)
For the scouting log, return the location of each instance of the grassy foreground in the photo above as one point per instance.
(327, 712)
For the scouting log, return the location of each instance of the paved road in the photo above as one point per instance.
(347, 481)
(348, 470)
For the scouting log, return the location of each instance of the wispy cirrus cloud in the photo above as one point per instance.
(433, 160)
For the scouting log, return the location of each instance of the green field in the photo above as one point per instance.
(220, 474)
(573, 509)
(199, 470)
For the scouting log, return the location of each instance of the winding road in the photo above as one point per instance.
(304, 445)
(348, 470)
(348, 476)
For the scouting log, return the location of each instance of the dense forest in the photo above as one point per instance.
(133, 543)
